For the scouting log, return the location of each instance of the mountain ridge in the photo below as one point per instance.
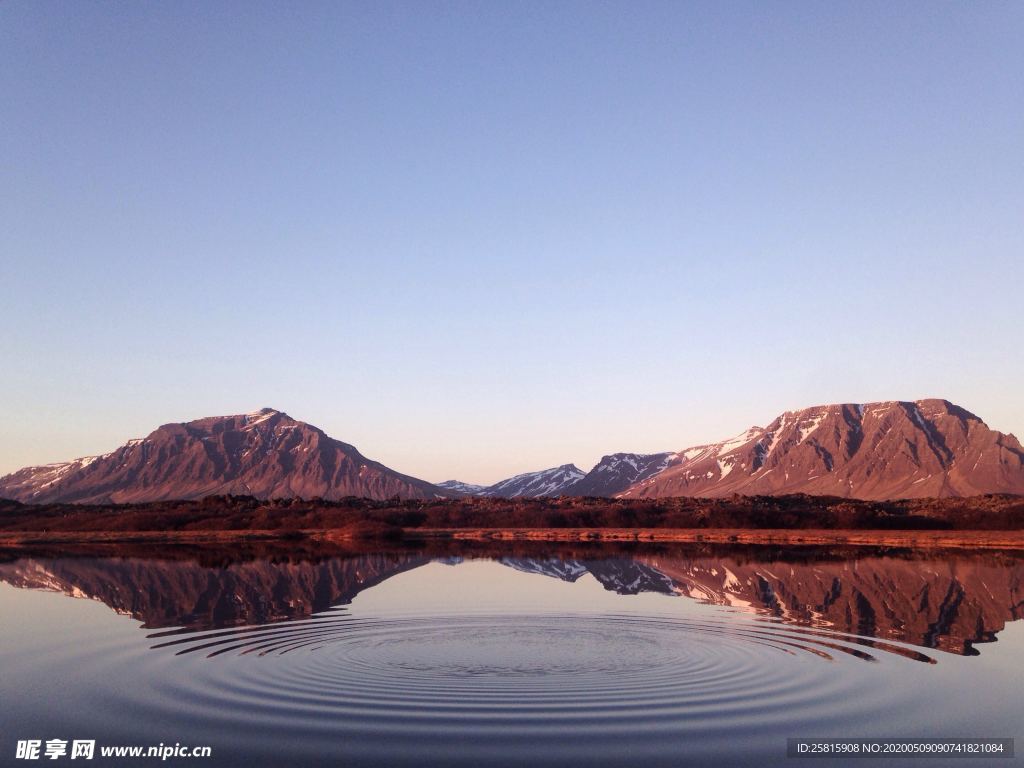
(873, 451)
(914, 449)
(545, 482)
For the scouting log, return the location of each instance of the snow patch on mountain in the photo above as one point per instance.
(470, 489)
(546, 482)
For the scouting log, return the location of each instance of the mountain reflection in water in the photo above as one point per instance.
(935, 600)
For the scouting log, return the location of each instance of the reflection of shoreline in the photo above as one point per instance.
(919, 539)
(911, 539)
(949, 601)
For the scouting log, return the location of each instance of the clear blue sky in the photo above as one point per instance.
(475, 239)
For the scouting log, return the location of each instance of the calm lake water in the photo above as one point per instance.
(523, 655)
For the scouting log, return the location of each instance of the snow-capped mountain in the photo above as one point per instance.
(613, 474)
(617, 472)
(546, 482)
(266, 454)
(458, 486)
(879, 450)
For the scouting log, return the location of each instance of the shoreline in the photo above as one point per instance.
(923, 539)
(913, 539)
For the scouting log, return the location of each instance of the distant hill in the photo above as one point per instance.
(612, 475)
(545, 482)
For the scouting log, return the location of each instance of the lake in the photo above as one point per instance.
(519, 654)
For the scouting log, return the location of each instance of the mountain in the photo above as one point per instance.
(545, 482)
(266, 454)
(881, 450)
(613, 474)
(458, 486)
(617, 472)
(875, 451)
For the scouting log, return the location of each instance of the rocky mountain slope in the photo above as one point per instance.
(266, 454)
(927, 448)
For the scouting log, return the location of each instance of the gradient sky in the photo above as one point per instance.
(475, 239)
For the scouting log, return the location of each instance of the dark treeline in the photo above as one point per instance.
(230, 513)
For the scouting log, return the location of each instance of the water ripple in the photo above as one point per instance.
(531, 672)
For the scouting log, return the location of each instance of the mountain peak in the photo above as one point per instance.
(268, 416)
(265, 412)
(616, 472)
